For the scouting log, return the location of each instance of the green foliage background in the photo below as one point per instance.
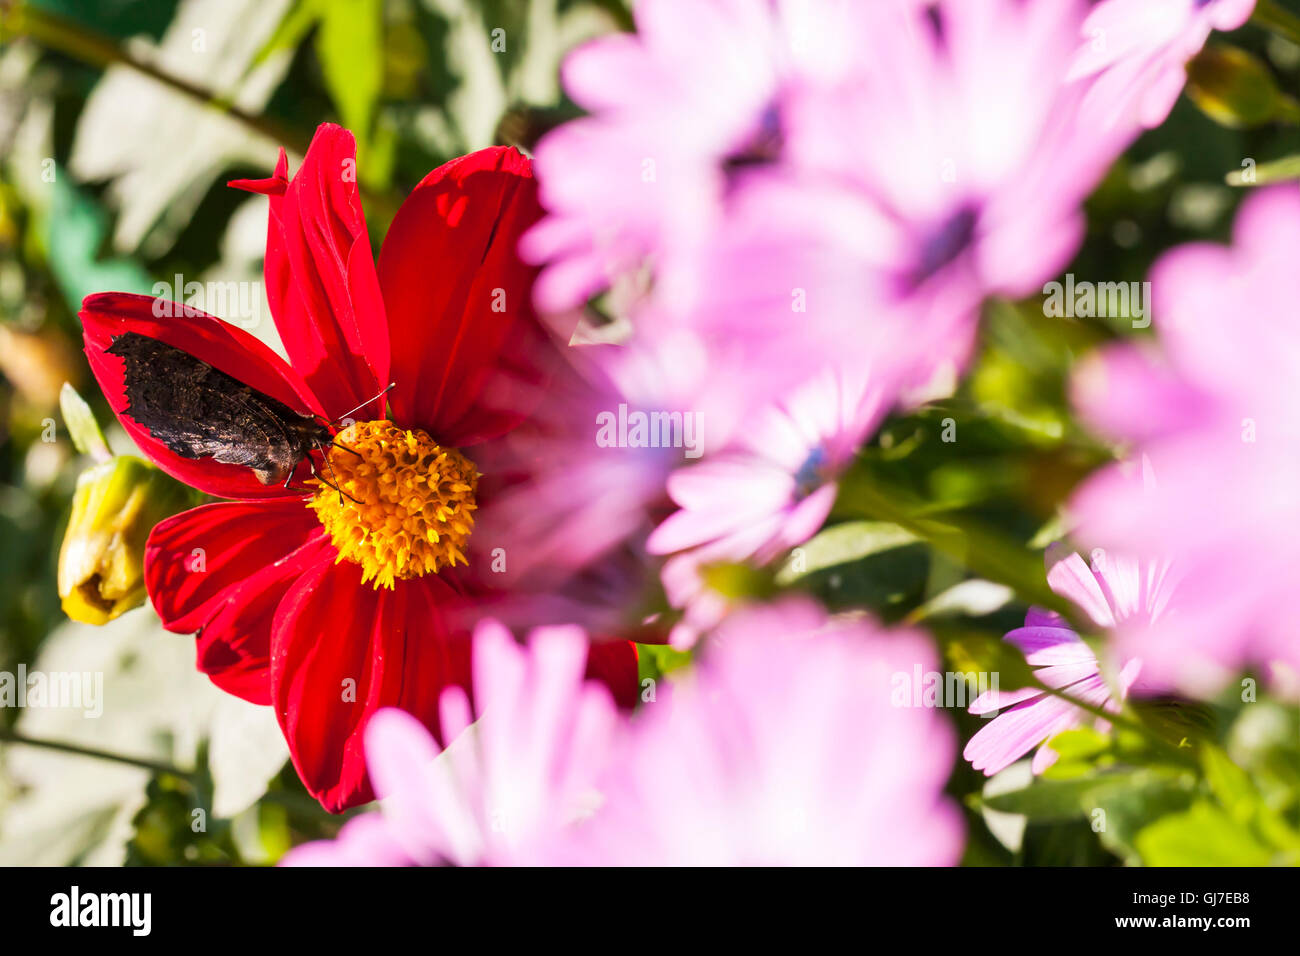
(120, 120)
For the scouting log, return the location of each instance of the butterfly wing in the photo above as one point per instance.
(198, 411)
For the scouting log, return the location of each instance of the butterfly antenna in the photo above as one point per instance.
(324, 457)
(379, 395)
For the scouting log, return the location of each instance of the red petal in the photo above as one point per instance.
(614, 664)
(389, 648)
(221, 570)
(320, 274)
(275, 185)
(470, 357)
(234, 648)
(220, 344)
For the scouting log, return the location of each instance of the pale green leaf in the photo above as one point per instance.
(83, 428)
(1204, 835)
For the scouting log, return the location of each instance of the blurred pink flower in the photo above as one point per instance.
(769, 491)
(524, 769)
(1135, 51)
(1115, 591)
(961, 128)
(629, 415)
(1212, 408)
(813, 182)
(596, 497)
(948, 164)
(678, 109)
(781, 747)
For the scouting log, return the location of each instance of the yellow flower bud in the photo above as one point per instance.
(101, 563)
(1236, 89)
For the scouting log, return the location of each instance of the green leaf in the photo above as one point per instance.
(1203, 835)
(967, 649)
(295, 25)
(1056, 800)
(1175, 720)
(983, 549)
(654, 661)
(1007, 828)
(1271, 15)
(120, 19)
(1230, 784)
(1080, 743)
(1125, 810)
(1262, 174)
(1045, 800)
(83, 428)
(1080, 752)
(75, 230)
(972, 598)
(736, 581)
(350, 45)
(842, 544)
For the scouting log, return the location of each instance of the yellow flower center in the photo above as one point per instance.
(407, 506)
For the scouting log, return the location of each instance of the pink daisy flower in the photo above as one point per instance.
(678, 110)
(629, 416)
(949, 164)
(1212, 406)
(626, 416)
(961, 129)
(782, 748)
(770, 491)
(804, 179)
(1114, 591)
(525, 768)
(1134, 52)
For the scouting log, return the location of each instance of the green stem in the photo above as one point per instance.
(1119, 720)
(154, 766)
(1272, 16)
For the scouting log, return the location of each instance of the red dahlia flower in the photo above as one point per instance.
(329, 607)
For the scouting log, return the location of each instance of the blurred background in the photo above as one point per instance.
(120, 122)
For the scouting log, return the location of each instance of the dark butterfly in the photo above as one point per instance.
(198, 411)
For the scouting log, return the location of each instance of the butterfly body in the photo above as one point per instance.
(198, 411)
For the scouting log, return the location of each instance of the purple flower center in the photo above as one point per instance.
(945, 244)
(811, 473)
(763, 146)
(935, 18)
